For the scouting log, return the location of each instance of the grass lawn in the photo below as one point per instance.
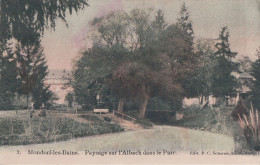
(157, 138)
(20, 129)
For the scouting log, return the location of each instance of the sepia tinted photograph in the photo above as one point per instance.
(129, 81)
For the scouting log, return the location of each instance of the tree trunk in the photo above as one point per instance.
(226, 101)
(202, 100)
(143, 107)
(27, 100)
(121, 105)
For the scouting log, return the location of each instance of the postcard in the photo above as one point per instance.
(129, 82)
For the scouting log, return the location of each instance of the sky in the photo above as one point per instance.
(242, 17)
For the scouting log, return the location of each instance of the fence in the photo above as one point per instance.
(123, 116)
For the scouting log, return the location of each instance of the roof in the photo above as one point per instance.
(245, 75)
(58, 73)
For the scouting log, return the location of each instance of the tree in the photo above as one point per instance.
(91, 73)
(159, 24)
(148, 73)
(145, 59)
(224, 83)
(69, 98)
(111, 29)
(139, 81)
(25, 20)
(188, 58)
(10, 83)
(32, 69)
(245, 64)
(256, 84)
(119, 34)
(202, 79)
(184, 20)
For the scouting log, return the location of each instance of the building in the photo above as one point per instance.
(246, 84)
(58, 80)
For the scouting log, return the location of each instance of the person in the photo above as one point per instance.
(42, 111)
(31, 110)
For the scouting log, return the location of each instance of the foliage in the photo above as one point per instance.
(135, 57)
(110, 29)
(9, 84)
(217, 120)
(245, 64)
(203, 75)
(159, 24)
(188, 58)
(91, 74)
(52, 128)
(250, 126)
(70, 98)
(224, 83)
(184, 21)
(239, 110)
(159, 103)
(161, 117)
(256, 84)
(108, 119)
(25, 20)
(32, 69)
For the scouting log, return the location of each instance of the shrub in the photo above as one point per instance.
(145, 123)
(160, 116)
(108, 119)
(240, 109)
(191, 111)
(251, 128)
(42, 130)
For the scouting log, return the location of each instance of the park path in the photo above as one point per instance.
(158, 137)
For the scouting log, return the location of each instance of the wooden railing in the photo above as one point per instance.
(123, 116)
(159, 111)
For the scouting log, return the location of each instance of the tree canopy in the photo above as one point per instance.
(135, 56)
(22, 23)
(26, 20)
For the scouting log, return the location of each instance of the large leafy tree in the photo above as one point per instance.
(256, 85)
(139, 61)
(141, 81)
(224, 83)
(141, 76)
(111, 29)
(92, 71)
(116, 35)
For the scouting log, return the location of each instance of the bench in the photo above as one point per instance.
(101, 111)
